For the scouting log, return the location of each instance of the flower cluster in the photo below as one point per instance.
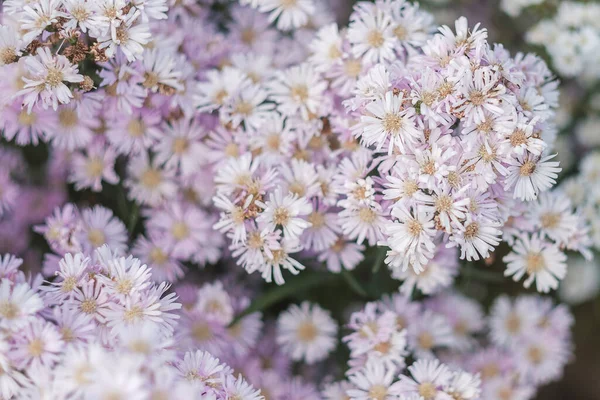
(263, 350)
(101, 329)
(526, 344)
(572, 38)
(194, 142)
(455, 147)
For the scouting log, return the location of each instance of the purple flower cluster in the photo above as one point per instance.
(259, 137)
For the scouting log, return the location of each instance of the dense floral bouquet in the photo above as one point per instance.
(249, 201)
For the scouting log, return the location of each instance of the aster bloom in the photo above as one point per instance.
(542, 261)
(127, 36)
(371, 33)
(411, 236)
(10, 45)
(91, 169)
(285, 212)
(288, 14)
(44, 80)
(100, 227)
(374, 380)
(388, 122)
(529, 176)
(19, 303)
(262, 136)
(306, 332)
(298, 89)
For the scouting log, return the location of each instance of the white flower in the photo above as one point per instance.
(80, 14)
(44, 79)
(411, 236)
(127, 276)
(428, 378)
(528, 175)
(582, 282)
(160, 70)
(374, 381)
(89, 170)
(326, 48)
(99, 227)
(148, 183)
(543, 262)
(10, 45)
(129, 37)
(286, 212)
(306, 332)
(289, 14)
(18, 304)
(298, 89)
(371, 33)
(38, 16)
(387, 121)
(476, 237)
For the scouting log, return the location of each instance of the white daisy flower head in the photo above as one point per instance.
(307, 332)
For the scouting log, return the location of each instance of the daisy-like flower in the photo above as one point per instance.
(36, 17)
(543, 262)
(18, 304)
(481, 91)
(388, 122)
(219, 87)
(99, 227)
(180, 146)
(148, 182)
(10, 45)
(510, 321)
(528, 175)
(428, 377)
(464, 386)
(160, 73)
(38, 345)
(289, 14)
(80, 14)
(476, 237)
(215, 303)
(128, 36)
(370, 33)
(435, 276)
(542, 358)
(430, 331)
(285, 212)
(126, 276)
(238, 388)
(374, 381)
(159, 258)
(342, 254)
(277, 258)
(44, 79)
(247, 106)
(306, 332)
(89, 170)
(132, 134)
(326, 48)
(71, 271)
(201, 366)
(411, 236)
(553, 215)
(298, 89)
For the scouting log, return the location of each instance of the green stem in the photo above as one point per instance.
(294, 285)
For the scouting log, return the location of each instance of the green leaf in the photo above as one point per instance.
(304, 281)
(353, 284)
(381, 252)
